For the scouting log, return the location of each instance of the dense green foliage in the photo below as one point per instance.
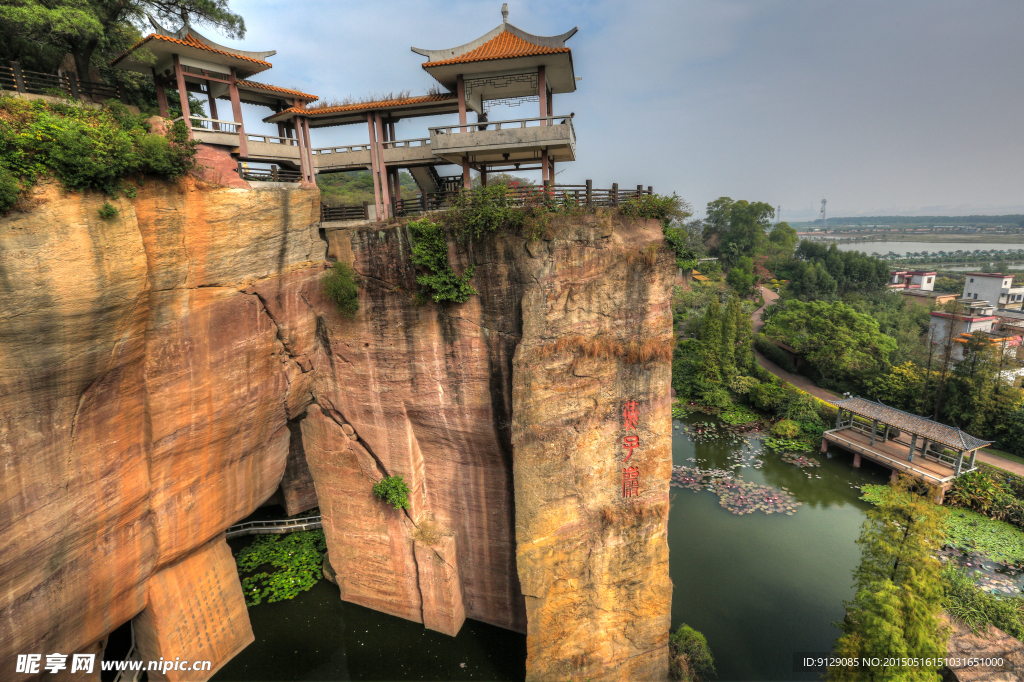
(833, 337)
(690, 656)
(430, 250)
(704, 369)
(297, 558)
(393, 490)
(738, 227)
(656, 206)
(85, 148)
(968, 603)
(899, 595)
(341, 285)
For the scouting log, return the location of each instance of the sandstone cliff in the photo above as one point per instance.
(165, 372)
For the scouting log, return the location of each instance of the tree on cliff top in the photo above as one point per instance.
(899, 593)
(41, 32)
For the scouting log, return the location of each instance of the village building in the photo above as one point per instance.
(969, 316)
(906, 443)
(923, 280)
(994, 287)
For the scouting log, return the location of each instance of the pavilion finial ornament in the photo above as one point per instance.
(504, 12)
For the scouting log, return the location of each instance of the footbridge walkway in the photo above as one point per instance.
(274, 527)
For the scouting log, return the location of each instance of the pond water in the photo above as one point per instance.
(762, 587)
(759, 586)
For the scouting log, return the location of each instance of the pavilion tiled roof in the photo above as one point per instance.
(189, 41)
(912, 423)
(378, 104)
(274, 88)
(505, 45)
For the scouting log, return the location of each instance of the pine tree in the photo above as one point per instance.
(899, 594)
(727, 351)
(708, 364)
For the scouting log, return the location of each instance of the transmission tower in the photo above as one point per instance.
(778, 215)
(823, 202)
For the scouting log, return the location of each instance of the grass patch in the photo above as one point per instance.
(977, 609)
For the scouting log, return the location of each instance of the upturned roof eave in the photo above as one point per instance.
(541, 41)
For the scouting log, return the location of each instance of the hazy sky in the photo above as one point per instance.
(906, 106)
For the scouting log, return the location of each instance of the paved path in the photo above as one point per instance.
(804, 384)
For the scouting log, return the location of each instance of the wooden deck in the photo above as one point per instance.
(894, 455)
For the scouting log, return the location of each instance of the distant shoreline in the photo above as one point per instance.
(943, 237)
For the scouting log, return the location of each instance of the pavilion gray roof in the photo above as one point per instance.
(912, 423)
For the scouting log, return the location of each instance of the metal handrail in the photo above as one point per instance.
(472, 127)
(277, 526)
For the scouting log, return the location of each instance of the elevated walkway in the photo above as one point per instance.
(274, 527)
(513, 141)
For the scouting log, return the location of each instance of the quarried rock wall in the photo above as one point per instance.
(166, 372)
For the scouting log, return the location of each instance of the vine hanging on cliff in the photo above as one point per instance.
(430, 250)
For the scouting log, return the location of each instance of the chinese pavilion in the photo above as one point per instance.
(504, 66)
(190, 62)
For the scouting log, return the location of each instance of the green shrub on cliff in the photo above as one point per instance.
(341, 286)
(393, 490)
(430, 250)
(657, 206)
(84, 148)
(689, 655)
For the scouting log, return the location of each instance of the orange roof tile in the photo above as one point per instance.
(274, 88)
(505, 45)
(190, 42)
(371, 105)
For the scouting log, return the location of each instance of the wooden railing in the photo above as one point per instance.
(272, 174)
(13, 77)
(578, 195)
(348, 212)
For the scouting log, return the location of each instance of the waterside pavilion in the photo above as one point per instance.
(904, 442)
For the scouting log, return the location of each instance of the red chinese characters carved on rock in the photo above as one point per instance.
(630, 474)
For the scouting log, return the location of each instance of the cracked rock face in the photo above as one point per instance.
(168, 371)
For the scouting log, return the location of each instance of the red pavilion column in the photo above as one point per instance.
(236, 111)
(303, 158)
(183, 95)
(374, 167)
(542, 92)
(161, 94)
(461, 89)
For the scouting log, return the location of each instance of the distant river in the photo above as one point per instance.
(931, 247)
